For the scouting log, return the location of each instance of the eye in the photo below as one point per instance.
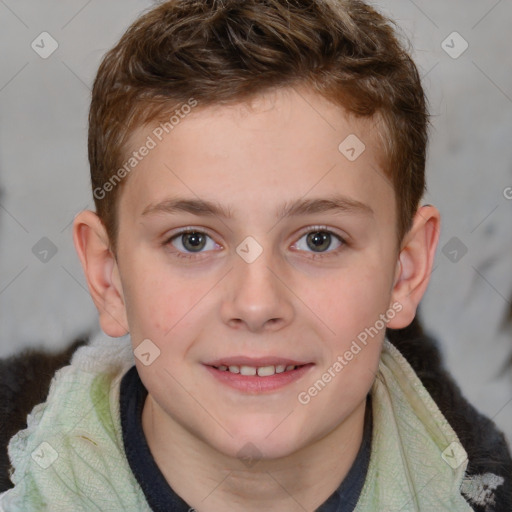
(192, 242)
(319, 241)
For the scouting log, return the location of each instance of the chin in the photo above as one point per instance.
(267, 438)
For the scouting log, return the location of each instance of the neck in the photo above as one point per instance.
(210, 480)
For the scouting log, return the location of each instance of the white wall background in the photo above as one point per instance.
(45, 182)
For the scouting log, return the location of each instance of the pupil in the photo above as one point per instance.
(320, 240)
(193, 241)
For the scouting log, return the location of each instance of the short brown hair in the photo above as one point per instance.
(224, 51)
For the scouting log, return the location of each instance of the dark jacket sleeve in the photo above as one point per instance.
(24, 383)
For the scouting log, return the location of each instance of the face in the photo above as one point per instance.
(250, 239)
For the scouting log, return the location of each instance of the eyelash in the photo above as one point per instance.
(312, 229)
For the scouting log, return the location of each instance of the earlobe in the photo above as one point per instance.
(101, 272)
(415, 264)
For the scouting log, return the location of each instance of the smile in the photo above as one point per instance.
(261, 371)
(257, 379)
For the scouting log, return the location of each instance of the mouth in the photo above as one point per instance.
(257, 375)
(260, 371)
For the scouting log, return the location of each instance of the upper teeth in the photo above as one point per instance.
(262, 371)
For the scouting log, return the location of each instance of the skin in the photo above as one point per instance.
(293, 301)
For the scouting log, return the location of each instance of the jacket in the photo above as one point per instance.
(71, 456)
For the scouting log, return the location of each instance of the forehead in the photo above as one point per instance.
(280, 146)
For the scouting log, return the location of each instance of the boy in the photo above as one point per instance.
(257, 169)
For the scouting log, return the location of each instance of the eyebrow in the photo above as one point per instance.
(200, 207)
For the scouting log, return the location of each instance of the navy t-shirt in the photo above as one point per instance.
(159, 494)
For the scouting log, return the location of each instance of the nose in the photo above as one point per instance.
(256, 297)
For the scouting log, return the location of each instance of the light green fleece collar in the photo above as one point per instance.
(417, 462)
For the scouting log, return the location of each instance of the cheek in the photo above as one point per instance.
(147, 304)
(164, 307)
(351, 300)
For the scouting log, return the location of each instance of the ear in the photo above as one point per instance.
(101, 271)
(414, 264)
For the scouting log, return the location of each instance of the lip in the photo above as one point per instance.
(254, 384)
(256, 361)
